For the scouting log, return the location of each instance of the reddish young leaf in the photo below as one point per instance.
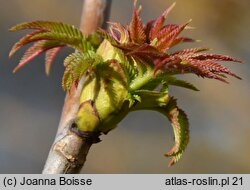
(159, 23)
(204, 71)
(50, 57)
(166, 30)
(159, 38)
(119, 32)
(168, 10)
(146, 50)
(136, 28)
(191, 51)
(165, 42)
(215, 57)
(148, 28)
(179, 40)
(214, 67)
(162, 63)
(22, 42)
(156, 27)
(34, 51)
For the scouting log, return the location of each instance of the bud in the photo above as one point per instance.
(106, 89)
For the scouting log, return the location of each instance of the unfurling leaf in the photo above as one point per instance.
(119, 32)
(180, 124)
(76, 65)
(166, 105)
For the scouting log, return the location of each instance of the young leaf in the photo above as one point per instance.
(35, 50)
(119, 32)
(53, 31)
(191, 51)
(51, 37)
(49, 58)
(154, 27)
(179, 40)
(166, 42)
(136, 28)
(104, 34)
(112, 70)
(76, 64)
(214, 57)
(180, 124)
(23, 41)
(128, 66)
(209, 69)
(149, 100)
(164, 104)
(170, 80)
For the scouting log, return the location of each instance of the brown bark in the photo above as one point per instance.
(69, 150)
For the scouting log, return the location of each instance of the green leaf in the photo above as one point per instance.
(95, 39)
(180, 124)
(51, 37)
(67, 80)
(72, 41)
(111, 73)
(128, 66)
(57, 31)
(166, 105)
(109, 52)
(181, 83)
(76, 65)
(147, 99)
(56, 27)
(165, 80)
(104, 34)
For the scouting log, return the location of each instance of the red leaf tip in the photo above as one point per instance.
(168, 10)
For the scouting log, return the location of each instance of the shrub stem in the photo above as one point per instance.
(69, 150)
